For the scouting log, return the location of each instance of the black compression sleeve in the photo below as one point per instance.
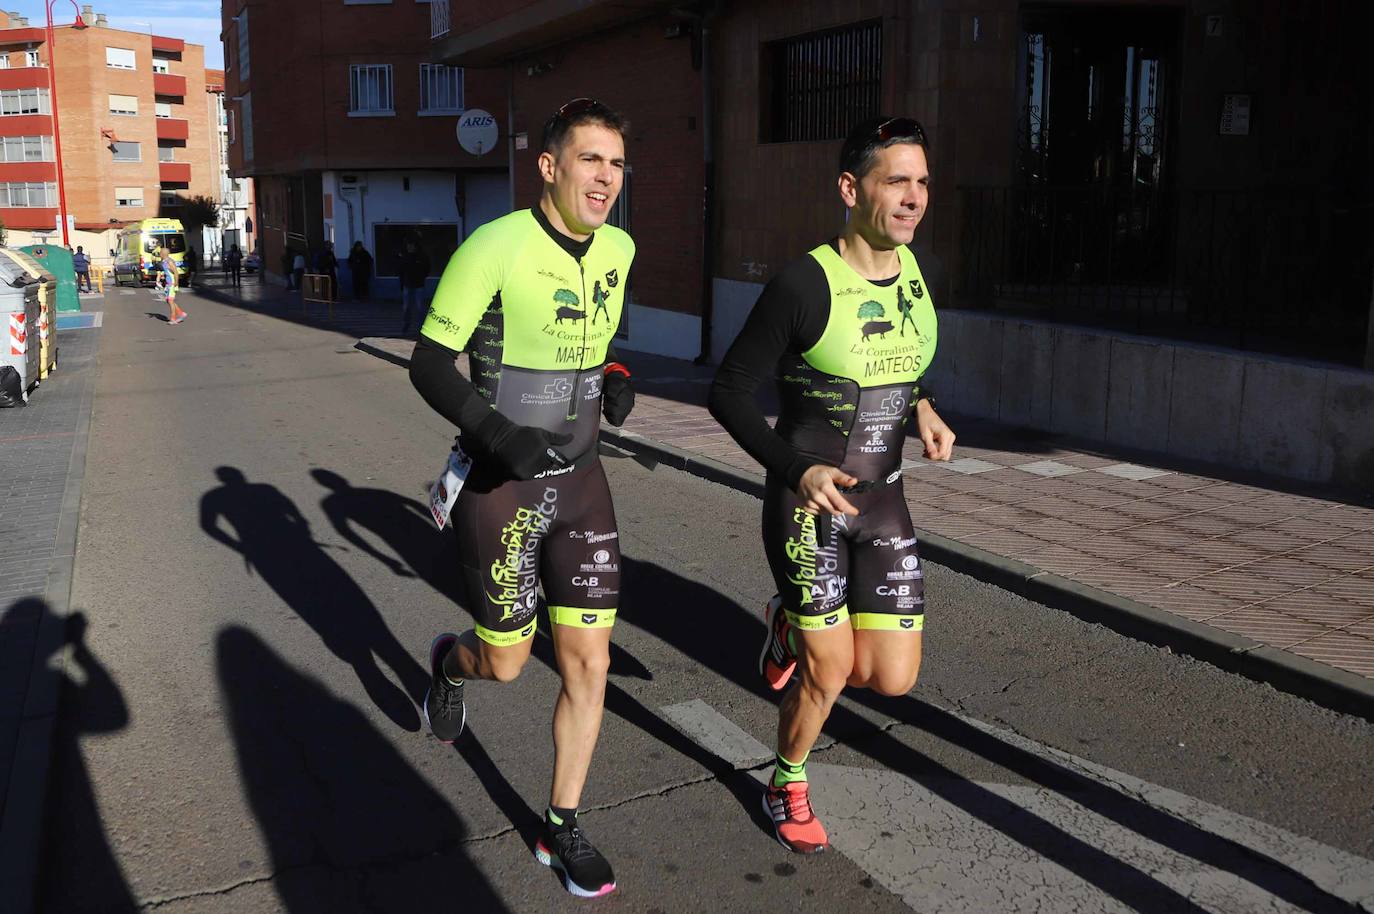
(437, 378)
(789, 316)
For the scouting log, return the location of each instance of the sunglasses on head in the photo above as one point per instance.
(575, 107)
(899, 127)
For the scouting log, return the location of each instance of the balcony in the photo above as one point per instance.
(500, 38)
(168, 84)
(174, 172)
(173, 128)
(439, 19)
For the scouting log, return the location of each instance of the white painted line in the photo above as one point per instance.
(969, 465)
(717, 734)
(1132, 471)
(1049, 468)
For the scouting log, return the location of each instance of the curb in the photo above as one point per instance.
(1325, 685)
(21, 831)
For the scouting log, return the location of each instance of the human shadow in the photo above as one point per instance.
(350, 825)
(413, 546)
(78, 869)
(156, 315)
(276, 543)
(727, 646)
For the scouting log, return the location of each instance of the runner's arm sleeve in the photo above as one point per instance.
(435, 374)
(788, 317)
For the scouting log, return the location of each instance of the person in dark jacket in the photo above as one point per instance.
(329, 264)
(414, 270)
(360, 265)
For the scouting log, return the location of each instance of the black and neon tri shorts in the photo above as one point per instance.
(867, 574)
(560, 531)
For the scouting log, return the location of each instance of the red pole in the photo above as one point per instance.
(56, 130)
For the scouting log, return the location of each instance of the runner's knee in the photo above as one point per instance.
(585, 667)
(894, 683)
(826, 675)
(503, 664)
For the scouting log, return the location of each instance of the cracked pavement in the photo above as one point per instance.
(1042, 763)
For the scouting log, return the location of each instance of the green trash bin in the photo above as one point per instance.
(57, 260)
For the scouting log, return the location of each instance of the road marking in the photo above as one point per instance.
(717, 734)
(949, 844)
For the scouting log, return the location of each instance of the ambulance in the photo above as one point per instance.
(136, 254)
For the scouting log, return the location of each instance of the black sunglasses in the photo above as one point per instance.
(900, 127)
(575, 107)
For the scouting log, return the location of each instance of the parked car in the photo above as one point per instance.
(251, 263)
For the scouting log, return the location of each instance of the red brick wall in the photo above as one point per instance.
(300, 53)
(650, 79)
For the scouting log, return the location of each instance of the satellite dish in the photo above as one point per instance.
(477, 131)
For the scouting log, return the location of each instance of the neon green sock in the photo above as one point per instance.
(785, 772)
(792, 640)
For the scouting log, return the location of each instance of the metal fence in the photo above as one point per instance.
(439, 20)
(1286, 271)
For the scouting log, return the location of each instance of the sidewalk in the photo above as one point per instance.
(42, 463)
(373, 318)
(1274, 585)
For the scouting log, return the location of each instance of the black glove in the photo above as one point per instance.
(617, 397)
(522, 450)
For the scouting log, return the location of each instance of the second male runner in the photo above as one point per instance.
(536, 507)
(847, 332)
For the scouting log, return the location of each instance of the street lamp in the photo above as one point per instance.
(56, 131)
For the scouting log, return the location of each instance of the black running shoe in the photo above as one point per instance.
(445, 712)
(585, 872)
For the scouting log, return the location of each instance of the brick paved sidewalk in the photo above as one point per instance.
(1294, 572)
(39, 489)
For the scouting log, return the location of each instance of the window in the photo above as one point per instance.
(243, 45)
(26, 149)
(123, 104)
(119, 58)
(441, 88)
(4, 61)
(369, 89)
(162, 109)
(229, 126)
(128, 196)
(169, 199)
(29, 194)
(31, 59)
(24, 101)
(160, 65)
(127, 152)
(817, 86)
(166, 153)
(247, 114)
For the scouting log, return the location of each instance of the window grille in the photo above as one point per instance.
(819, 85)
(441, 88)
(369, 89)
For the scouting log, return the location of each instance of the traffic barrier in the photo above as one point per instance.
(319, 287)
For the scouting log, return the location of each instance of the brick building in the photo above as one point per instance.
(348, 128)
(135, 129)
(235, 195)
(1165, 197)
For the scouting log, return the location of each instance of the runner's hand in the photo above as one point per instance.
(937, 437)
(523, 450)
(818, 493)
(617, 398)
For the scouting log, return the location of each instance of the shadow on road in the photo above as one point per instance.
(79, 871)
(276, 543)
(349, 823)
(702, 624)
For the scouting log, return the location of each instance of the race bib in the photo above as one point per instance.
(444, 493)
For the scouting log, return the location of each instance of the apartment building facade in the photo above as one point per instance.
(236, 201)
(134, 119)
(1168, 196)
(349, 131)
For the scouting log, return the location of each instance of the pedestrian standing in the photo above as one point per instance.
(287, 258)
(81, 262)
(360, 265)
(298, 271)
(414, 269)
(536, 504)
(329, 265)
(837, 532)
(192, 264)
(233, 262)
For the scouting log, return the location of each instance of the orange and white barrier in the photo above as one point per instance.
(19, 335)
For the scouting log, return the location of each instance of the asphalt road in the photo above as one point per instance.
(256, 585)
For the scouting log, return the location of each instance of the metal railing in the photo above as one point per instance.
(1285, 270)
(439, 18)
